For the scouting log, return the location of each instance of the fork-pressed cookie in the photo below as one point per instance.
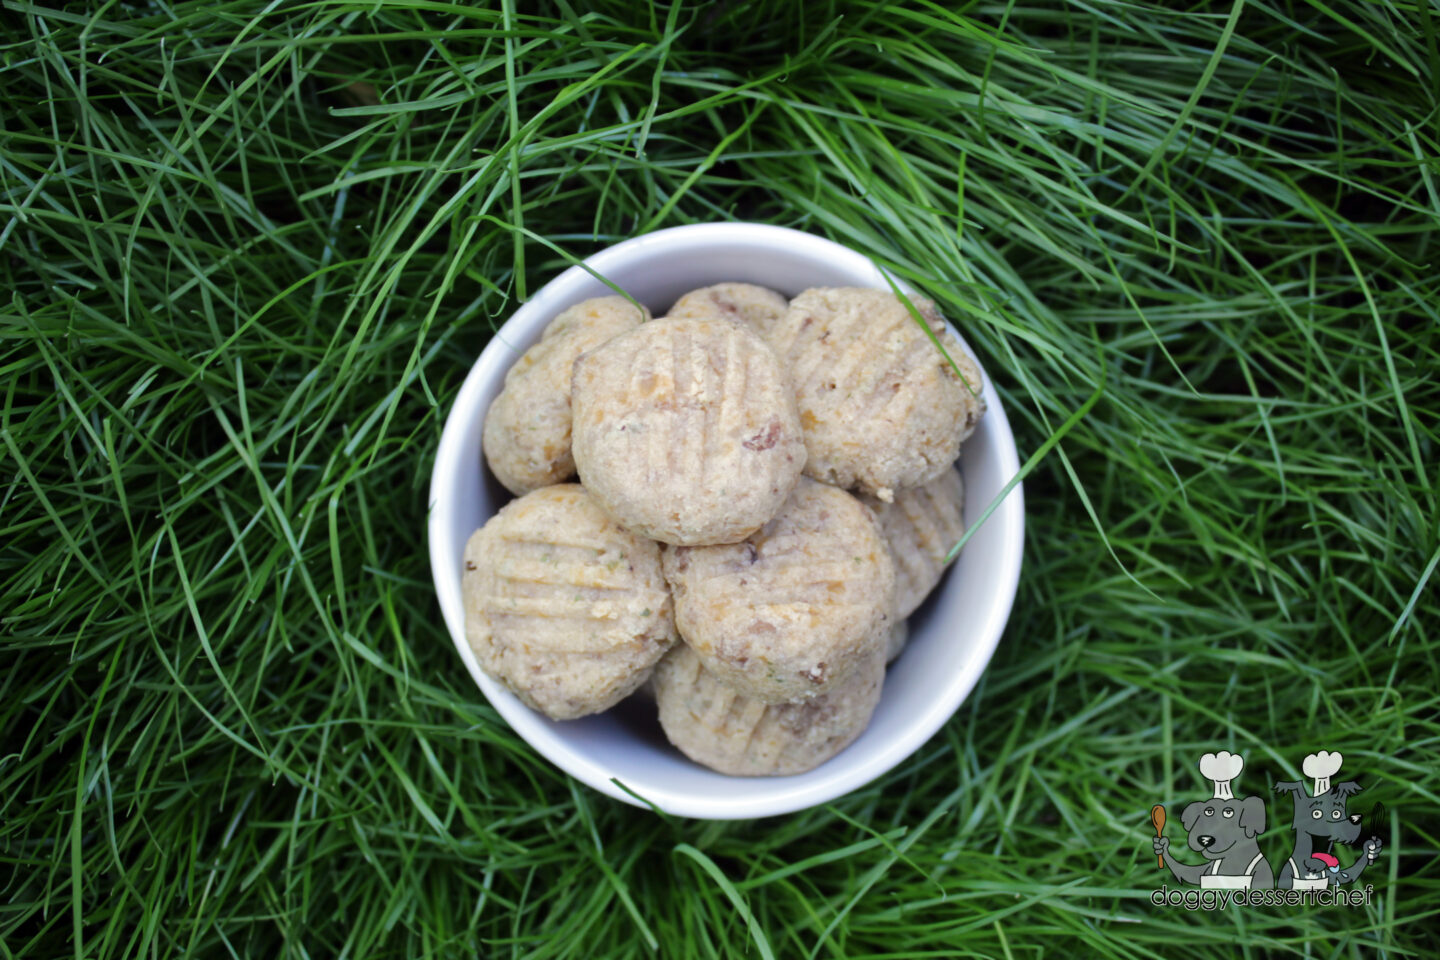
(527, 428)
(685, 430)
(759, 307)
(881, 407)
(921, 527)
(792, 610)
(563, 605)
(714, 724)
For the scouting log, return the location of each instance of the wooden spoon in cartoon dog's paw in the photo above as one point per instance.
(1157, 817)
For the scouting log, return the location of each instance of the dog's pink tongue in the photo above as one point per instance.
(1328, 860)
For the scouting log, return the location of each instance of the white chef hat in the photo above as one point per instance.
(1322, 766)
(1221, 768)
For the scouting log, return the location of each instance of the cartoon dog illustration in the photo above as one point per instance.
(1222, 829)
(1321, 819)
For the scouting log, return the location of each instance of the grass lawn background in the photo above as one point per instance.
(250, 251)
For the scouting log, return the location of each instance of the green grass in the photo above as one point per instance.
(250, 251)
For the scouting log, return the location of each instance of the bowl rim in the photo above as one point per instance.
(790, 794)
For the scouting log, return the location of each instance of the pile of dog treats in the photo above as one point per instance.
(767, 489)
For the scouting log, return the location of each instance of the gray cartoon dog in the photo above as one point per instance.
(1321, 820)
(1222, 829)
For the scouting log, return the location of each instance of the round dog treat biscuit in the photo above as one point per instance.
(563, 605)
(921, 526)
(714, 724)
(881, 407)
(527, 428)
(789, 613)
(758, 307)
(685, 430)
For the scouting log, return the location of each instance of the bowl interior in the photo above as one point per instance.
(952, 636)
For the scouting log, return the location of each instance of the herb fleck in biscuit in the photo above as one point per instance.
(921, 526)
(527, 428)
(714, 724)
(562, 605)
(685, 430)
(792, 611)
(758, 307)
(881, 407)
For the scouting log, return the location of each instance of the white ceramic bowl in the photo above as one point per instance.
(952, 637)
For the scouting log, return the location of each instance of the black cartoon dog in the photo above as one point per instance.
(1321, 820)
(1223, 831)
